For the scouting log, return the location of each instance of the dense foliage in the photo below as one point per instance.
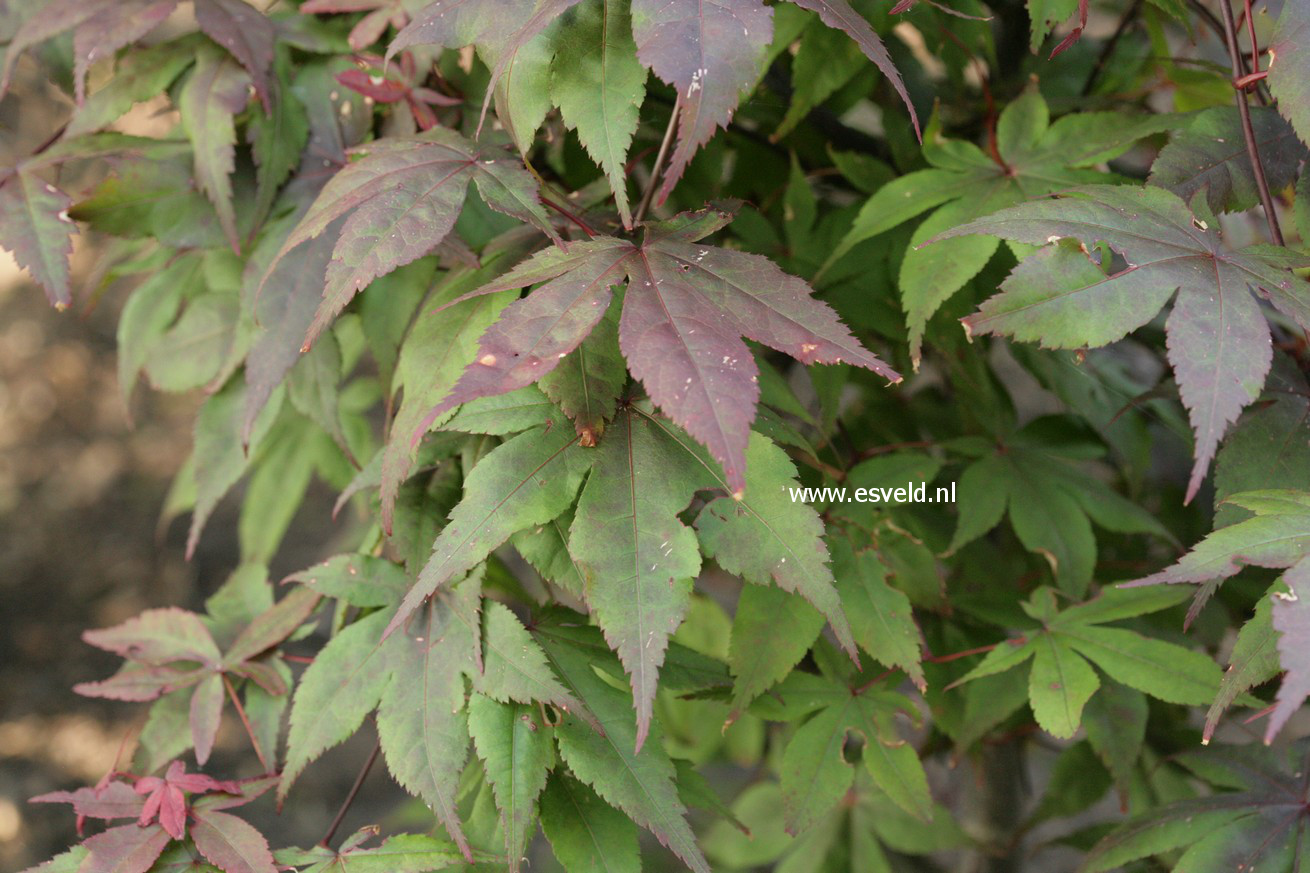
(566, 298)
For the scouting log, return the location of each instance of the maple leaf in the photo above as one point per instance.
(1051, 501)
(516, 752)
(1277, 536)
(503, 32)
(839, 15)
(1062, 643)
(685, 309)
(1291, 618)
(1257, 821)
(369, 29)
(171, 649)
(709, 53)
(165, 796)
(402, 198)
(410, 853)
(599, 85)
(641, 783)
(1032, 157)
(100, 28)
(815, 773)
(1263, 446)
(215, 91)
(1210, 155)
(377, 83)
(416, 681)
(1218, 339)
(35, 227)
(638, 559)
(247, 34)
(585, 832)
(531, 479)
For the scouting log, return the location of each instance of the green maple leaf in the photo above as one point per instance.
(639, 560)
(1218, 338)
(1061, 643)
(599, 85)
(815, 772)
(1256, 821)
(1277, 536)
(963, 183)
(526, 481)
(641, 783)
(516, 753)
(1051, 501)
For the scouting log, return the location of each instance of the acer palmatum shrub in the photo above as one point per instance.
(570, 299)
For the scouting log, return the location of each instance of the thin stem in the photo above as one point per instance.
(350, 798)
(250, 731)
(1207, 16)
(658, 166)
(1110, 44)
(1248, 132)
(1255, 52)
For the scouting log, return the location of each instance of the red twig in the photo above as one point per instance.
(350, 798)
(1248, 132)
(250, 731)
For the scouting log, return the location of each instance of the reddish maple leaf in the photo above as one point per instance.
(166, 796)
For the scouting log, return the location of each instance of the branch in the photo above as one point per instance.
(245, 722)
(1248, 132)
(350, 798)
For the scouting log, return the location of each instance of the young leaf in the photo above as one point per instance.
(638, 558)
(1219, 342)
